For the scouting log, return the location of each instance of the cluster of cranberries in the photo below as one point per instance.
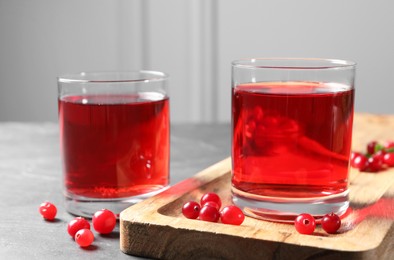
(306, 224)
(103, 221)
(209, 210)
(376, 158)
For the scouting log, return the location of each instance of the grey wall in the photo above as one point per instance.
(41, 39)
(193, 40)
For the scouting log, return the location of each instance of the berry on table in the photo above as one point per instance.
(209, 213)
(77, 224)
(380, 154)
(353, 155)
(210, 196)
(359, 161)
(104, 221)
(305, 224)
(331, 223)
(371, 147)
(389, 146)
(191, 209)
(377, 157)
(388, 159)
(232, 215)
(84, 237)
(212, 204)
(48, 210)
(375, 163)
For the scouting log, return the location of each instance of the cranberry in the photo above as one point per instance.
(371, 146)
(331, 223)
(48, 210)
(380, 154)
(77, 224)
(305, 224)
(388, 159)
(353, 155)
(375, 163)
(232, 215)
(104, 221)
(84, 237)
(210, 196)
(209, 213)
(389, 145)
(191, 209)
(359, 161)
(212, 204)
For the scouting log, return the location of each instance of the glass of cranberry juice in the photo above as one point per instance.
(291, 136)
(115, 138)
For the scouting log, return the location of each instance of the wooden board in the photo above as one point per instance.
(156, 228)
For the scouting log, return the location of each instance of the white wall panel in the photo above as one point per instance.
(357, 30)
(192, 40)
(182, 42)
(41, 39)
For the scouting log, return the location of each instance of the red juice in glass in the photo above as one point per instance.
(115, 138)
(291, 143)
(115, 146)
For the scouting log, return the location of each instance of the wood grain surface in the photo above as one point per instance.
(156, 228)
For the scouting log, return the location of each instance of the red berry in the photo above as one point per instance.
(209, 213)
(359, 161)
(371, 147)
(77, 224)
(305, 224)
(210, 196)
(104, 221)
(380, 154)
(84, 237)
(389, 145)
(353, 155)
(331, 223)
(212, 204)
(191, 209)
(375, 163)
(388, 159)
(232, 215)
(48, 210)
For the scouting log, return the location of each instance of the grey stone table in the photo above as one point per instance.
(30, 173)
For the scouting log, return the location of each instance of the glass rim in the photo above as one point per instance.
(127, 76)
(293, 63)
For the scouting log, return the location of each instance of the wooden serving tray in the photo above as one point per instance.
(156, 228)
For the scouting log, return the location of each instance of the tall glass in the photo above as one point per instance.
(291, 136)
(115, 138)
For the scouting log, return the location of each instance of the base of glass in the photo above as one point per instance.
(287, 209)
(86, 207)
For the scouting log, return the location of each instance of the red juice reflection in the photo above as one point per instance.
(115, 145)
(291, 139)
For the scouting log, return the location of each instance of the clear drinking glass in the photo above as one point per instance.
(291, 136)
(115, 138)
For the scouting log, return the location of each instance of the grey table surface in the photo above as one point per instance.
(30, 168)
